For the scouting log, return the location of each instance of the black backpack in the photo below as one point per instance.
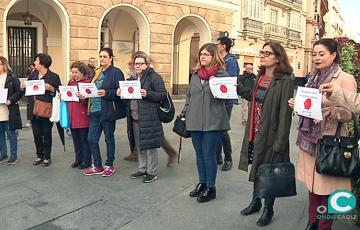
(166, 109)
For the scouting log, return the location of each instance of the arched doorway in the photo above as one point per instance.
(125, 29)
(190, 33)
(48, 33)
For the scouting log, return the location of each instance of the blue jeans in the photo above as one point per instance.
(95, 129)
(205, 144)
(4, 128)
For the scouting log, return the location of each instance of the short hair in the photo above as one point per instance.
(145, 56)
(80, 66)
(91, 58)
(225, 41)
(331, 45)
(6, 64)
(216, 58)
(107, 50)
(44, 59)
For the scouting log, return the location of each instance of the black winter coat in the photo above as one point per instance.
(151, 130)
(12, 83)
(52, 79)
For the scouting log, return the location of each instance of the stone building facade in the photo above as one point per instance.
(171, 31)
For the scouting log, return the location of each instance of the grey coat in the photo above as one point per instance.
(273, 135)
(202, 111)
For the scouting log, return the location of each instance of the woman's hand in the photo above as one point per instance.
(118, 92)
(101, 92)
(8, 102)
(316, 121)
(22, 85)
(291, 102)
(327, 88)
(143, 92)
(49, 87)
(80, 96)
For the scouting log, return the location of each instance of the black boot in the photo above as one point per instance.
(200, 187)
(254, 206)
(268, 212)
(311, 226)
(208, 194)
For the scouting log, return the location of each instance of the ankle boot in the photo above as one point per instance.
(200, 187)
(268, 212)
(312, 226)
(208, 194)
(254, 206)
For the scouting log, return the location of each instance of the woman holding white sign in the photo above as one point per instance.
(41, 107)
(206, 119)
(326, 59)
(10, 119)
(269, 120)
(79, 118)
(144, 125)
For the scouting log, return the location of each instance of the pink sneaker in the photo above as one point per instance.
(108, 171)
(94, 171)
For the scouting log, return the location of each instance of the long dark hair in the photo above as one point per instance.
(283, 67)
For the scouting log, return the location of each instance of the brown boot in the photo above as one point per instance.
(171, 153)
(133, 156)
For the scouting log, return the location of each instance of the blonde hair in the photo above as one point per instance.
(6, 65)
(216, 57)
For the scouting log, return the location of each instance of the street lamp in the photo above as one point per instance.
(233, 35)
(27, 17)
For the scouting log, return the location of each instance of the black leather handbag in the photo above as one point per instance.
(275, 180)
(166, 110)
(180, 127)
(339, 156)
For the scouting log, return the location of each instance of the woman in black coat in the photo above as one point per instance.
(144, 126)
(10, 119)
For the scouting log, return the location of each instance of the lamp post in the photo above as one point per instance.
(233, 35)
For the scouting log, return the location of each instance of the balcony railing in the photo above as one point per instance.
(271, 30)
(251, 25)
(294, 35)
(287, 3)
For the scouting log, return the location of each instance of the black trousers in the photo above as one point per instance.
(225, 142)
(81, 145)
(42, 136)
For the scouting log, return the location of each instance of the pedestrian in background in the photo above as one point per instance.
(248, 80)
(327, 70)
(232, 68)
(79, 118)
(206, 119)
(42, 126)
(30, 99)
(104, 111)
(144, 126)
(269, 120)
(10, 119)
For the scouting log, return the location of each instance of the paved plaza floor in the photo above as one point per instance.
(59, 197)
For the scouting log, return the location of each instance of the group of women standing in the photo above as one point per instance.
(268, 125)
(266, 135)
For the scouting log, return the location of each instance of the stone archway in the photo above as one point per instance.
(124, 38)
(191, 31)
(52, 26)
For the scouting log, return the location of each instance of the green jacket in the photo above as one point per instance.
(274, 132)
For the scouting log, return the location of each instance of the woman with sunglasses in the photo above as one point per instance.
(269, 120)
(206, 119)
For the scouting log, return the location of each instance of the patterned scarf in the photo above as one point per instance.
(309, 132)
(206, 74)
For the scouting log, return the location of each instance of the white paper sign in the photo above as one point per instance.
(35, 87)
(88, 89)
(130, 89)
(308, 103)
(68, 93)
(3, 95)
(223, 87)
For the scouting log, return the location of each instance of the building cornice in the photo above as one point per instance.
(211, 4)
